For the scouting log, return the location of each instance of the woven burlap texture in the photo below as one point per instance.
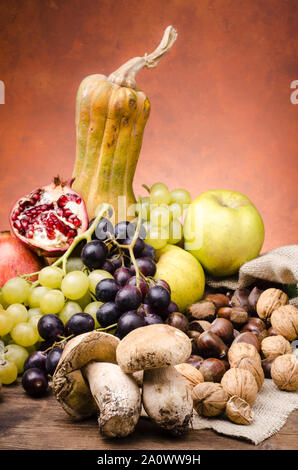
(271, 409)
(278, 265)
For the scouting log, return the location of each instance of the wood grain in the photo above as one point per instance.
(28, 423)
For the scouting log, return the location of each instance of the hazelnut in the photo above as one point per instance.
(240, 298)
(240, 350)
(275, 346)
(240, 382)
(211, 345)
(237, 315)
(266, 365)
(190, 373)
(209, 399)
(224, 329)
(284, 372)
(203, 310)
(284, 321)
(213, 369)
(254, 367)
(238, 411)
(270, 300)
(219, 300)
(248, 337)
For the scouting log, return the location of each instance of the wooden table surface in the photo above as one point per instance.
(31, 423)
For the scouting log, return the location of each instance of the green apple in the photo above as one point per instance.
(183, 273)
(223, 230)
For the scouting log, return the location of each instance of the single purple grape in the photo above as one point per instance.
(36, 360)
(128, 298)
(149, 252)
(50, 327)
(143, 286)
(162, 283)
(129, 321)
(108, 266)
(106, 290)
(35, 382)
(79, 323)
(146, 266)
(122, 275)
(108, 314)
(158, 298)
(52, 360)
(152, 319)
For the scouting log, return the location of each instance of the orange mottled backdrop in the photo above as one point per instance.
(221, 110)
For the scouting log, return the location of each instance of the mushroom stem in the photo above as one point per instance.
(167, 399)
(117, 396)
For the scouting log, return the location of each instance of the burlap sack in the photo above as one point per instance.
(279, 265)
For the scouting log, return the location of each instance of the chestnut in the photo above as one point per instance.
(250, 338)
(203, 310)
(237, 315)
(193, 334)
(199, 325)
(195, 360)
(178, 320)
(219, 300)
(224, 329)
(266, 364)
(240, 298)
(271, 331)
(213, 369)
(257, 327)
(211, 345)
(253, 299)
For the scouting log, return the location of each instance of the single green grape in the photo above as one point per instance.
(35, 295)
(160, 216)
(75, 285)
(158, 185)
(74, 264)
(181, 197)
(52, 301)
(175, 232)
(50, 276)
(33, 321)
(157, 237)
(34, 312)
(96, 276)
(6, 323)
(17, 312)
(85, 300)
(16, 290)
(143, 208)
(8, 372)
(17, 354)
(24, 334)
(175, 211)
(2, 301)
(160, 195)
(69, 309)
(92, 310)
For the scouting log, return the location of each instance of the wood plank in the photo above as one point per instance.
(28, 423)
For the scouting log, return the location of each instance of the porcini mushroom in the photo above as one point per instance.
(88, 380)
(156, 349)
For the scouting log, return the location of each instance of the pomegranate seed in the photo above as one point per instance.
(79, 200)
(77, 222)
(17, 224)
(24, 223)
(29, 234)
(71, 234)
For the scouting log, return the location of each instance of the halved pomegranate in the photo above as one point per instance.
(49, 218)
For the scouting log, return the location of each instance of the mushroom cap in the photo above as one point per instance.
(69, 385)
(151, 347)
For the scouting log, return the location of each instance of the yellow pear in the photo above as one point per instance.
(183, 273)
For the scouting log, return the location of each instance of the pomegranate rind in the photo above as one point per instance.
(16, 259)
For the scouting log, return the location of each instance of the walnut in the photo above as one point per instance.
(270, 300)
(239, 411)
(209, 399)
(253, 366)
(190, 373)
(284, 372)
(284, 321)
(240, 350)
(275, 346)
(242, 383)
